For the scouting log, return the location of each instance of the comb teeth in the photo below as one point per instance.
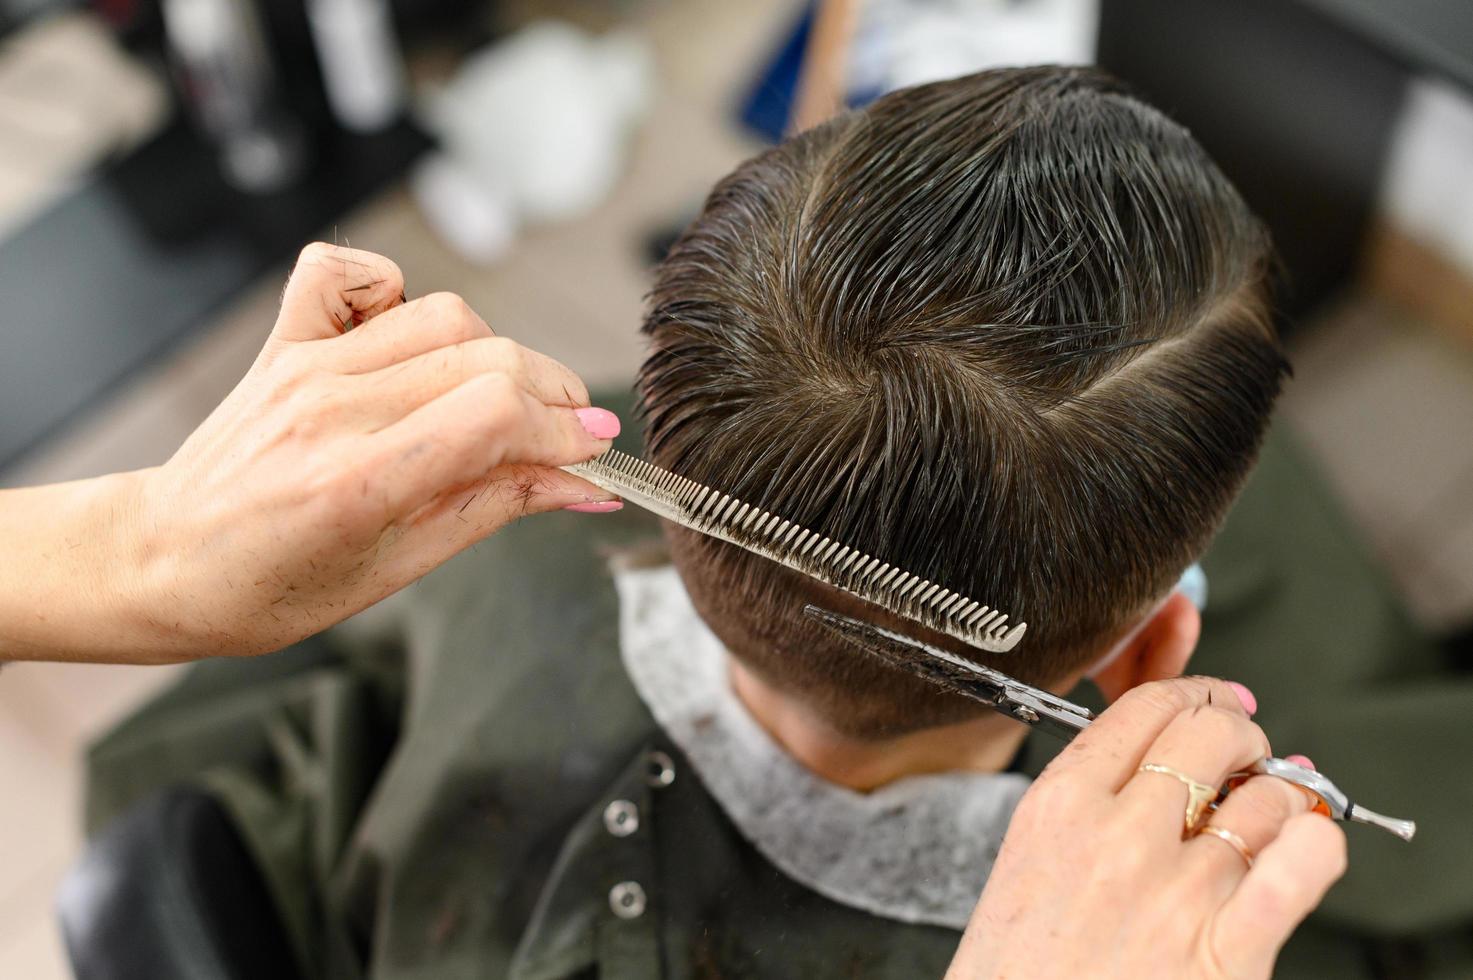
(720, 515)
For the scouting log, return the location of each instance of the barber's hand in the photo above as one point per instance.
(372, 440)
(1094, 879)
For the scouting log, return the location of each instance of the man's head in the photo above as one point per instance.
(1008, 332)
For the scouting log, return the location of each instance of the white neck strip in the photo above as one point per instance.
(917, 850)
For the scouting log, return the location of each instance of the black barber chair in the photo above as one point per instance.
(169, 892)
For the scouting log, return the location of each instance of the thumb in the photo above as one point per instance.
(333, 289)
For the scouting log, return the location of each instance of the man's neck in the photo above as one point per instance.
(985, 744)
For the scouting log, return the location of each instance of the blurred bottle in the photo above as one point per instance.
(229, 84)
(362, 69)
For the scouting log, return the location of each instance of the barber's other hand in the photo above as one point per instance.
(1094, 880)
(372, 440)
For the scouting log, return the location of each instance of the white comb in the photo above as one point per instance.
(720, 515)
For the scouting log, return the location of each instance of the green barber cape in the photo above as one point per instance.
(462, 782)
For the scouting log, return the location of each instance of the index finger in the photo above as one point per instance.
(389, 394)
(485, 422)
(333, 289)
(1112, 748)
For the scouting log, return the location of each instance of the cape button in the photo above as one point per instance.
(627, 899)
(621, 818)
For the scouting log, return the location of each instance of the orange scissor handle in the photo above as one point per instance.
(1239, 778)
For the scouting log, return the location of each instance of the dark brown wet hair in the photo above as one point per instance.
(1010, 332)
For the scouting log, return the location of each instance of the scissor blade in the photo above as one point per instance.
(933, 664)
(993, 688)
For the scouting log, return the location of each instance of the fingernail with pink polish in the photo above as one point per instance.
(596, 507)
(598, 422)
(1249, 702)
(1300, 760)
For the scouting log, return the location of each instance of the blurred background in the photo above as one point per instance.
(162, 161)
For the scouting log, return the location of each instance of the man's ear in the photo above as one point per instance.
(1159, 650)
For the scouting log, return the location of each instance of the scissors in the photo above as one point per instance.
(1065, 719)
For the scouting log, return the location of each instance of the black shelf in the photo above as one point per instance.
(110, 277)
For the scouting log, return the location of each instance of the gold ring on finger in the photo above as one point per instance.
(1199, 796)
(1231, 839)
